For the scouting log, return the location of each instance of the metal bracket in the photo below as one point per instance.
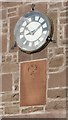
(50, 40)
(15, 45)
(33, 7)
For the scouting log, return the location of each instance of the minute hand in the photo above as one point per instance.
(38, 27)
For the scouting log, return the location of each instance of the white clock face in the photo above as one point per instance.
(31, 31)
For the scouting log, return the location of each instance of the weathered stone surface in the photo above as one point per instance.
(48, 114)
(15, 97)
(65, 31)
(12, 110)
(5, 29)
(11, 15)
(41, 6)
(59, 50)
(51, 70)
(16, 78)
(0, 68)
(56, 93)
(6, 98)
(0, 83)
(9, 58)
(4, 15)
(13, 22)
(57, 79)
(12, 9)
(4, 43)
(23, 56)
(56, 105)
(56, 61)
(3, 58)
(10, 97)
(63, 14)
(1, 110)
(53, 20)
(15, 58)
(55, 5)
(63, 20)
(16, 88)
(10, 4)
(65, 3)
(6, 82)
(41, 54)
(32, 109)
(10, 67)
(23, 9)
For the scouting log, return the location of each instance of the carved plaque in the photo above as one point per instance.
(33, 83)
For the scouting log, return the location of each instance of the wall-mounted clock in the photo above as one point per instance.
(31, 31)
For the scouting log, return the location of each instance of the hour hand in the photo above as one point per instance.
(28, 33)
(33, 32)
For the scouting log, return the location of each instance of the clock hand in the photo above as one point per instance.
(38, 27)
(32, 32)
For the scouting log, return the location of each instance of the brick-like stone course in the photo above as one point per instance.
(65, 3)
(6, 82)
(10, 67)
(57, 93)
(12, 9)
(1, 111)
(56, 61)
(65, 31)
(10, 4)
(57, 79)
(59, 50)
(55, 5)
(8, 58)
(63, 14)
(16, 78)
(12, 110)
(8, 97)
(0, 83)
(4, 13)
(31, 109)
(16, 87)
(63, 20)
(59, 104)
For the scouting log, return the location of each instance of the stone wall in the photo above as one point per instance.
(56, 55)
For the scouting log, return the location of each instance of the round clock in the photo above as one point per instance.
(31, 31)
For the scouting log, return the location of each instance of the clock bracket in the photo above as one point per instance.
(33, 7)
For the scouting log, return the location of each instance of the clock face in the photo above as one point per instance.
(31, 31)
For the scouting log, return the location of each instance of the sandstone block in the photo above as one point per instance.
(10, 67)
(56, 62)
(56, 93)
(56, 105)
(57, 79)
(12, 110)
(6, 82)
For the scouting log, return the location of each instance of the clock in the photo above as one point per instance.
(31, 31)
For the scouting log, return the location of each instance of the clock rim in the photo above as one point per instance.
(18, 24)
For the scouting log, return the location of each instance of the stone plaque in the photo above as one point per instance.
(33, 83)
